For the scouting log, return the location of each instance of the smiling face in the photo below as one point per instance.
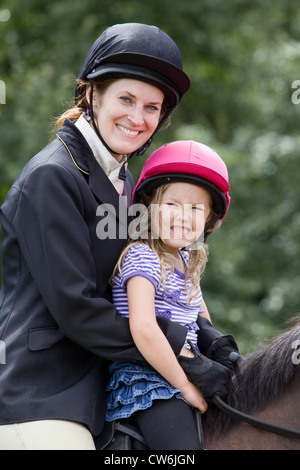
(183, 211)
(127, 113)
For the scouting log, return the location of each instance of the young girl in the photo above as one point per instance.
(185, 186)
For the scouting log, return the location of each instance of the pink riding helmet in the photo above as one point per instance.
(187, 161)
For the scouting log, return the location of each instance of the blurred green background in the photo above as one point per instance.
(243, 61)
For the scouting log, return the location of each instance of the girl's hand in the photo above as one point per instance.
(193, 395)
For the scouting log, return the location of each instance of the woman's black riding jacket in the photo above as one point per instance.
(57, 321)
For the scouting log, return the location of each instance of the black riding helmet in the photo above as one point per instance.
(143, 52)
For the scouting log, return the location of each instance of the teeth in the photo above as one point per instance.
(127, 131)
(180, 229)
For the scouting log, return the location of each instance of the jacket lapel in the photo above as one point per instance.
(105, 192)
(83, 158)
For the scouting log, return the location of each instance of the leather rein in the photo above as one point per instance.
(286, 432)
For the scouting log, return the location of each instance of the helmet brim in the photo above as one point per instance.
(220, 201)
(170, 79)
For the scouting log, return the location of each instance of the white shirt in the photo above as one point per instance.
(108, 163)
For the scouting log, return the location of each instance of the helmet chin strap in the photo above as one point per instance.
(93, 121)
(140, 151)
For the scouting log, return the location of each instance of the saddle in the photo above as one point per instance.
(116, 436)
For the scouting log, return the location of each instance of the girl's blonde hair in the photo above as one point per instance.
(197, 257)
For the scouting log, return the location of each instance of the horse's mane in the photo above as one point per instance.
(261, 378)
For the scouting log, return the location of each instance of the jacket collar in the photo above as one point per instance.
(77, 146)
(83, 158)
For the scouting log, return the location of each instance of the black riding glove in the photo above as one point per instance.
(206, 334)
(208, 375)
(216, 346)
(222, 351)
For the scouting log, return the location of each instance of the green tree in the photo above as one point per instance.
(242, 58)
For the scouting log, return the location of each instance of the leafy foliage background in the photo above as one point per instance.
(242, 58)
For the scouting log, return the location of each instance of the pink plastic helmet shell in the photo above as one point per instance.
(190, 161)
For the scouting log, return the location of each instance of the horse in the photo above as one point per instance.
(266, 386)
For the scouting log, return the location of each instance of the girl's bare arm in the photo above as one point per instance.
(153, 344)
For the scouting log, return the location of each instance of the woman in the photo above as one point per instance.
(57, 321)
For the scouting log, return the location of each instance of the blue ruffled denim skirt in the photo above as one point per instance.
(133, 387)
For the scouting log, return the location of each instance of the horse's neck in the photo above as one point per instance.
(283, 412)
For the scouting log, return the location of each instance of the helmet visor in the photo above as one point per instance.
(115, 70)
(220, 202)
